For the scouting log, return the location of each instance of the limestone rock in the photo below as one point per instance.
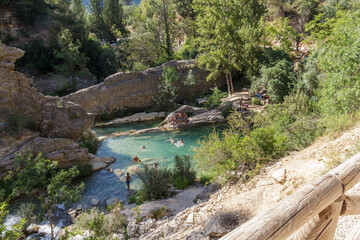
(98, 163)
(118, 172)
(137, 89)
(32, 228)
(94, 202)
(138, 117)
(280, 175)
(185, 109)
(133, 169)
(112, 201)
(8, 56)
(190, 218)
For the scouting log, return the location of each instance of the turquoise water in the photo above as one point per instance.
(105, 184)
(126, 127)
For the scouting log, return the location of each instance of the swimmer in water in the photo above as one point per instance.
(173, 141)
(143, 148)
(182, 141)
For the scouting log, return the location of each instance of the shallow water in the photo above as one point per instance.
(104, 184)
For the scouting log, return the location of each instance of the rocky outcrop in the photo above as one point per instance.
(138, 117)
(56, 125)
(137, 89)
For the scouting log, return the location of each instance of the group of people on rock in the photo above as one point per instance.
(179, 117)
(243, 107)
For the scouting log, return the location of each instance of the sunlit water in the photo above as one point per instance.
(104, 184)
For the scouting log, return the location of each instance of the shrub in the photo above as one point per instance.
(183, 172)
(139, 197)
(226, 109)
(167, 89)
(27, 212)
(156, 182)
(256, 101)
(15, 231)
(159, 212)
(16, 122)
(215, 99)
(90, 141)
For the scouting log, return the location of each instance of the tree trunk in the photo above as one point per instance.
(231, 84)
(228, 83)
(51, 226)
(167, 31)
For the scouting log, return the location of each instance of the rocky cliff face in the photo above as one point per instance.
(56, 124)
(137, 89)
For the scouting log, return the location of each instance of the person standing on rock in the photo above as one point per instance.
(128, 178)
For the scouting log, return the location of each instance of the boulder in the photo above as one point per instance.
(133, 169)
(190, 218)
(279, 176)
(137, 89)
(94, 202)
(185, 109)
(99, 163)
(8, 56)
(111, 201)
(138, 117)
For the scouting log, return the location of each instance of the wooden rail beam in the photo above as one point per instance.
(286, 217)
(280, 221)
(351, 205)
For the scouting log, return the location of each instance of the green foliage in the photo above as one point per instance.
(159, 212)
(30, 173)
(183, 172)
(112, 13)
(228, 45)
(155, 182)
(187, 51)
(15, 232)
(139, 197)
(240, 150)
(27, 212)
(99, 224)
(280, 31)
(69, 53)
(90, 141)
(167, 88)
(16, 122)
(339, 88)
(215, 99)
(278, 80)
(59, 191)
(96, 20)
(256, 101)
(38, 58)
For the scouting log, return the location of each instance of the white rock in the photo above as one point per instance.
(280, 175)
(190, 218)
(94, 202)
(112, 201)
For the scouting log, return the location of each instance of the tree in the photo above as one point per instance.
(28, 10)
(95, 18)
(229, 36)
(167, 88)
(113, 18)
(69, 53)
(15, 232)
(59, 191)
(299, 13)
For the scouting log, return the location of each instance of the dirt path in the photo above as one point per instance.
(235, 204)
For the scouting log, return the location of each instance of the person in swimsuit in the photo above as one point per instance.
(128, 178)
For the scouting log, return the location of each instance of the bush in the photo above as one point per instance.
(167, 88)
(183, 172)
(156, 182)
(139, 197)
(90, 141)
(226, 109)
(215, 99)
(278, 80)
(27, 212)
(99, 224)
(256, 101)
(16, 122)
(159, 212)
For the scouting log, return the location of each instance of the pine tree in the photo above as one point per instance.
(96, 20)
(113, 18)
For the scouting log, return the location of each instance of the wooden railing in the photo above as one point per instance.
(312, 212)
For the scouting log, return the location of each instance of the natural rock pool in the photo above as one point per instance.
(105, 184)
